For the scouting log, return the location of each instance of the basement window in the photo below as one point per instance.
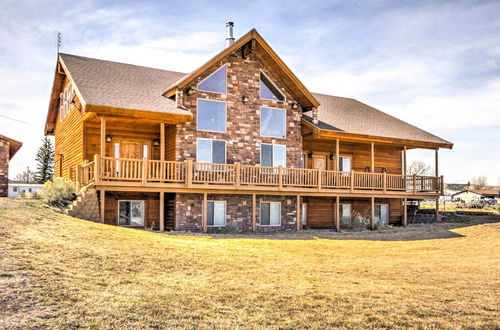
(216, 213)
(270, 213)
(131, 213)
(268, 90)
(381, 214)
(345, 213)
(216, 82)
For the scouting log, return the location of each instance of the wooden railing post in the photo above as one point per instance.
(97, 168)
(144, 170)
(352, 180)
(189, 173)
(238, 174)
(320, 174)
(414, 184)
(442, 185)
(280, 177)
(385, 181)
(77, 176)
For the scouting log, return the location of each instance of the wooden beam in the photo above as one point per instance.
(103, 204)
(103, 136)
(162, 211)
(372, 157)
(162, 141)
(337, 155)
(404, 160)
(254, 213)
(337, 213)
(405, 213)
(299, 219)
(436, 156)
(205, 213)
(372, 213)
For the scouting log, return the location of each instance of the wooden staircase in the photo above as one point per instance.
(85, 207)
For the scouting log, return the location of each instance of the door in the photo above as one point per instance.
(381, 214)
(131, 149)
(131, 213)
(319, 162)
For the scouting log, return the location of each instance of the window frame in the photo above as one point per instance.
(274, 85)
(380, 217)
(211, 150)
(130, 201)
(198, 115)
(65, 98)
(225, 214)
(210, 75)
(284, 122)
(273, 144)
(340, 163)
(341, 206)
(260, 214)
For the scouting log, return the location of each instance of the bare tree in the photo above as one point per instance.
(419, 168)
(479, 182)
(25, 177)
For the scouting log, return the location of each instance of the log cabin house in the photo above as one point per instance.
(239, 141)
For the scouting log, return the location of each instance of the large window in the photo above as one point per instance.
(131, 213)
(272, 155)
(211, 151)
(381, 214)
(268, 90)
(270, 213)
(216, 213)
(273, 122)
(211, 116)
(215, 83)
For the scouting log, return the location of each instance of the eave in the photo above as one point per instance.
(14, 145)
(165, 117)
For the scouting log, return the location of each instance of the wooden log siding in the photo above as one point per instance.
(207, 175)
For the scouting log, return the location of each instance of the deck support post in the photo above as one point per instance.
(103, 204)
(405, 213)
(372, 152)
(299, 219)
(337, 213)
(162, 211)
(336, 163)
(162, 141)
(437, 209)
(103, 136)
(254, 213)
(205, 213)
(372, 213)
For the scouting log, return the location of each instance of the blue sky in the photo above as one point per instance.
(435, 64)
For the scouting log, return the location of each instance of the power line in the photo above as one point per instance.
(20, 121)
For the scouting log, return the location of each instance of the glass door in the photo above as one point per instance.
(131, 213)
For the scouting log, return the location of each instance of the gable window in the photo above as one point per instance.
(211, 116)
(215, 83)
(345, 163)
(270, 213)
(272, 155)
(268, 91)
(211, 151)
(345, 213)
(216, 213)
(272, 122)
(65, 101)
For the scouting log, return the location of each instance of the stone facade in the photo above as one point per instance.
(4, 167)
(189, 212)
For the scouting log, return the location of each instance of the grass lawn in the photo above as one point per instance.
(57, 271)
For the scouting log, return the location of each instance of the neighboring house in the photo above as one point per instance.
(8, 148)
(468, 196)
(22, 189)
(238, 141)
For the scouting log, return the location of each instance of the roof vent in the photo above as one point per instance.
(230, 37)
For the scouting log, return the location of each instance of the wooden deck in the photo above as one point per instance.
(189, 176)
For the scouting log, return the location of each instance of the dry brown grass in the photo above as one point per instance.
(56, 271)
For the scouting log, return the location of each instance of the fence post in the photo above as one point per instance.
(238, 175)
(97, 168)
(280, 177)
(414, 184)
(352, 180)
(385, 181)
(144, 170)
(189, 173)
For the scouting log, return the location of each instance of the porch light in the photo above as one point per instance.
(108, 138)
(310, 154)
(244, 99)
(295, 106)
(156, 142)
(332, 157)
(190, 91)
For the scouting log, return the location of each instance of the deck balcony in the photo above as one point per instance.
(156, 175)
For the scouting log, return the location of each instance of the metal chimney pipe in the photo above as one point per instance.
(230, 37)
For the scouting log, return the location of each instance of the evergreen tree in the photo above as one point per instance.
(45, 162)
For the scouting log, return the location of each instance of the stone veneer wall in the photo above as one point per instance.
(4, 167)
(189, 213)
(242, 139)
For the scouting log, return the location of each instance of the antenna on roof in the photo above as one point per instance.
(59, 41)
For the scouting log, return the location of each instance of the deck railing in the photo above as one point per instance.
(236, 176)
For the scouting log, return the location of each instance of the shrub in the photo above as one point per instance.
(59, 192)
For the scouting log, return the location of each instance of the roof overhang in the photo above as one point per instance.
(165, 117)
(14, 145)
(263, 50)
(324, 134)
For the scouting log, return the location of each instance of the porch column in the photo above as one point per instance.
(337, 213)
(162, 141)
(254, 213)
(372, 157)
(162, 211)
(103, 136)
(404, 160)
(103, 204)
(405, 213)
(436, 156)
(372, 215)
(299, 219)
(337, 155)
(205, 213)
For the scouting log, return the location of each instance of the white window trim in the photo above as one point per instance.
(198, 116)
(344, 156)
(260, 214)
(211, 149)
(350, 208)
(225, 92)
(273, 144)
(131, 200)
(225, 214)
(271, 81)
(260, 122)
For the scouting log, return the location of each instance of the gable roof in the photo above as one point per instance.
(14, 145)
(346, 115)
(290, 80)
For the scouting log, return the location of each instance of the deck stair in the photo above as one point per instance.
(86, 206)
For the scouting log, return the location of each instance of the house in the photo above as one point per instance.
(8, 148)
(239, 141)
(23, 189)
(469, 196)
